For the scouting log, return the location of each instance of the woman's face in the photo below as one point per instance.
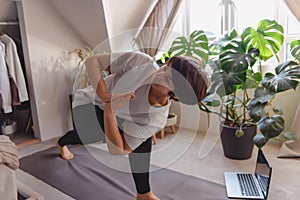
(162, 81)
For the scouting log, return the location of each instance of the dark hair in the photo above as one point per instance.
(189, 78)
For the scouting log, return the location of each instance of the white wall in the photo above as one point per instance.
(288, 102)
(48, 36)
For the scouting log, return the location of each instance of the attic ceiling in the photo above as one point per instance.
(129, 15)
(85, 17)
(93, 20)
(96, 20)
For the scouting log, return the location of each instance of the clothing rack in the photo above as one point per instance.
(9, 23)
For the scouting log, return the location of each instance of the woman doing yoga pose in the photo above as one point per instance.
(130, 105)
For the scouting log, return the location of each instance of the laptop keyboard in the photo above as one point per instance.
(248, 186)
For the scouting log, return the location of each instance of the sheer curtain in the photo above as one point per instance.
(156, 28)
(292, 148)
(294, 6)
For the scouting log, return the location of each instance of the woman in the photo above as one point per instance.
(131, 105)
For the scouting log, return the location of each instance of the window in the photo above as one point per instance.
(216, 16)
(249, 13)
(293, 26)
(204, 15)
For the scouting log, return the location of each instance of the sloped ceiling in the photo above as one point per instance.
(86, 17)
(129, 14)
(93, 21)
(96, 22)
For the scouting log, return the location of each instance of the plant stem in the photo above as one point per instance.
(244, 105)
(260, 67)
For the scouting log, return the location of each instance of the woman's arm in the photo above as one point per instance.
(95, 65)
(115, 140)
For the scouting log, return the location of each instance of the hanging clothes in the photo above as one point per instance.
(5, 103)
(15, 73)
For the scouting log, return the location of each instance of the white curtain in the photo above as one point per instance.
(292, 148)
(155, 30)
(294, 6)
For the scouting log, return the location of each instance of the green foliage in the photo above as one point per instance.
(196, 45)
(236, 68)
(233, 64)
(295, 49)
(268, 38)
(164, 58)
(290, 135)
(285, 78)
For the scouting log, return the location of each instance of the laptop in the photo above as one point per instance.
(250, 185)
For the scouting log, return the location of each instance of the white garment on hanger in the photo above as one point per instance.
(14, 66)
(4, 82)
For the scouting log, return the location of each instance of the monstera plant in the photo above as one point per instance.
(244, 90)
(240, 88)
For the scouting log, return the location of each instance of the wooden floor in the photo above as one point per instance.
(22, 139)
(27, 142)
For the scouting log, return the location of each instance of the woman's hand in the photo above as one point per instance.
(108, 97)
(119, 100)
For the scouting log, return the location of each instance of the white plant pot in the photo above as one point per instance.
(171, 121)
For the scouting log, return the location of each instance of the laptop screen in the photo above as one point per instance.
(263, 172)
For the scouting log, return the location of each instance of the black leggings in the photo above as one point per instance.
(89, 128)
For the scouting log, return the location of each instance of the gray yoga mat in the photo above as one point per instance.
(85, 177)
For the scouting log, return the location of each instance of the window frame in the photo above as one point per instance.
(281, 14)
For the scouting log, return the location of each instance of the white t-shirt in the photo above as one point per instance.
(132, 71)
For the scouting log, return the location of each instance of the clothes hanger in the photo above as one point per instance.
(15, 39)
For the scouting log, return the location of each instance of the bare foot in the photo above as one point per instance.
(146, 196)
(65, 152)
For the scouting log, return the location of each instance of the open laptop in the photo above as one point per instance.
(250, 185)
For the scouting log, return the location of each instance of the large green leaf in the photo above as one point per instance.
(231, 69)
(271, 126)
(234, 57)
(210, 100)
(196, 46)
(224, 83)
(268, 38)
(259, 140)
(222, 41)
(256, 105)
(295, 49)
(262, 96)
(287, 75)
(257, 111)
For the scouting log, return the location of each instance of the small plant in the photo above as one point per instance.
(171, 115)
(81, 80)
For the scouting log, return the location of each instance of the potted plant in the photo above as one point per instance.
(81, 78)
(245, 92)
(171, 121)
(239, 87)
